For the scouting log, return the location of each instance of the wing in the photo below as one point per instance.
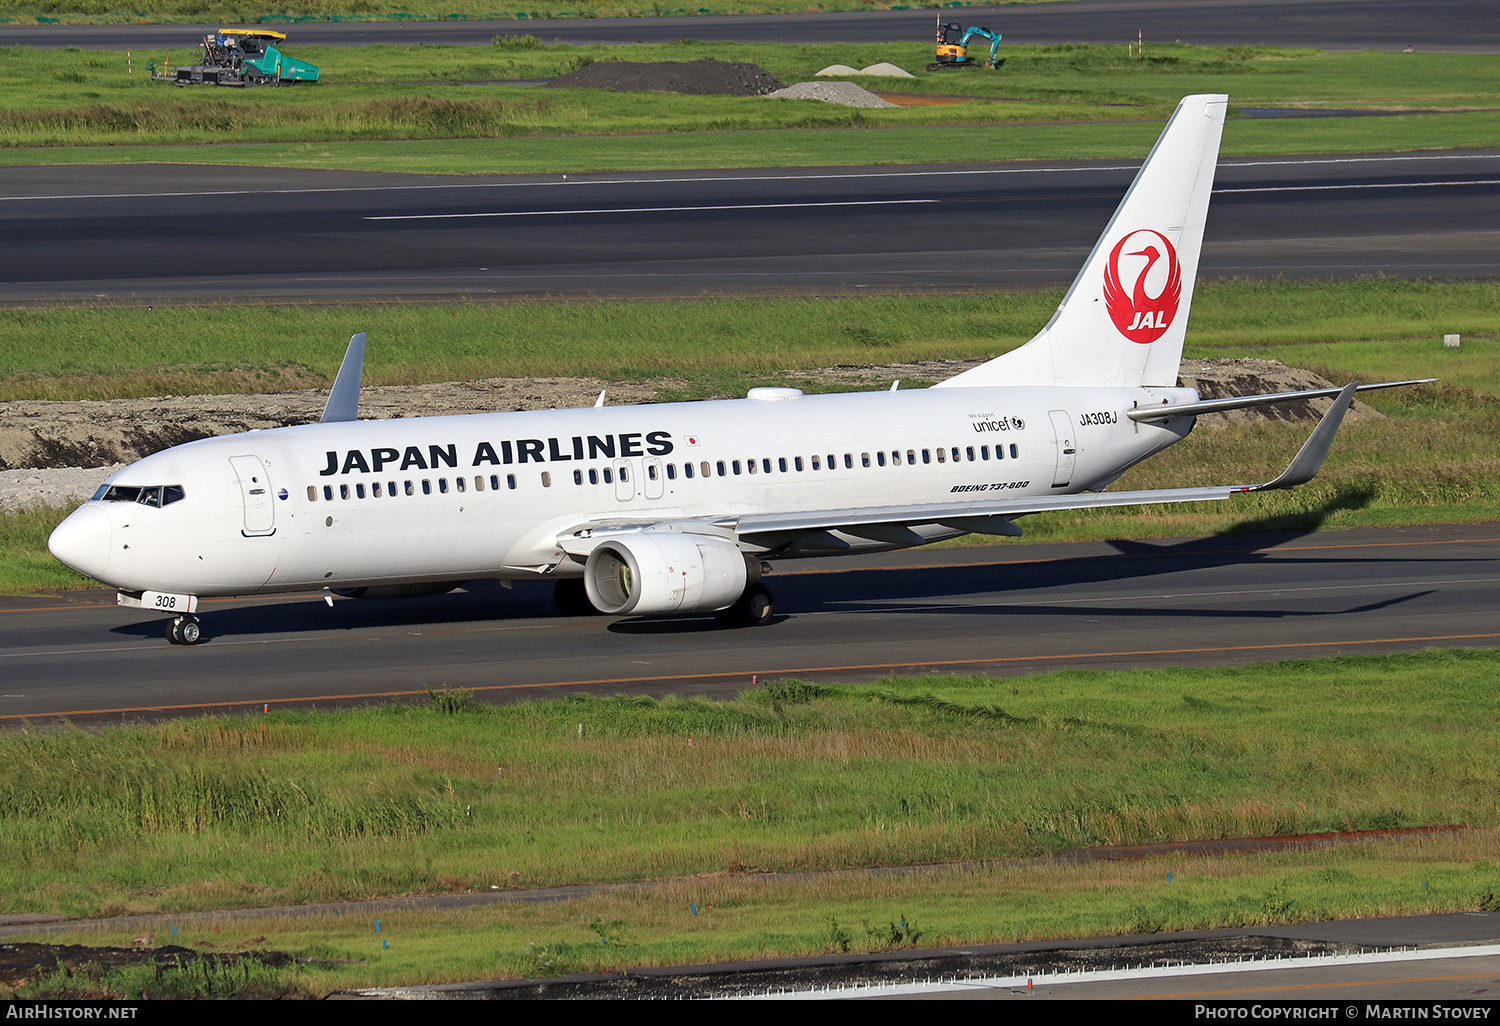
(767, 532)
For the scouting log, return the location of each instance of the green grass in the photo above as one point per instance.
(76, 106)
(741, 917)
(1379, 328)
(294, 807)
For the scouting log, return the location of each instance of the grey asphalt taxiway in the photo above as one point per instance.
(135, 233)
(1462, 25)
(1000, 610)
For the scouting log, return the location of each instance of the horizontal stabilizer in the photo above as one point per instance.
(1241, 402)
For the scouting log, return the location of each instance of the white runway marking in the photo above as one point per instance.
(647, 210)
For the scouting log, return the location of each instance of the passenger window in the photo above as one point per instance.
(955, 454)
(999, 452)
(984, 452)
(848, 461)
(546, 479)
(970, 451)
(687, 471)
(671, 472)
(653, 473)
(375, 490)
(359, 491)
(495, 482)
(751, 466)
(864, 458)
(409, 489)
(443, 485)
(766, 464)
(510, 481)
(880, 458)
(426, 486)
(459, 482)
(895, 457)
(578, 477)
(736, 467)
(609, 476)
(781, 463)
(704, 467)
(797, 462)
(391, 489)
(720, 465)
(624, 473)
(343, 491)
(942, 455)
(479, 482)
(312, 493)
(1015, 453)
(328, 492)
(815, 464)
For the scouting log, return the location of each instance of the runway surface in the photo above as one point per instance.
(1000, 610)
(136, 233)
(1466, 25)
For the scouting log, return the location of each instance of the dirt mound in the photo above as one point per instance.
(694, 78)
(50, 435)
(845, 94)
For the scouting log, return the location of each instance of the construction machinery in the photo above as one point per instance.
(241, 57)
(953, 47)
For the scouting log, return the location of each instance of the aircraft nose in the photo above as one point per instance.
(82, 540)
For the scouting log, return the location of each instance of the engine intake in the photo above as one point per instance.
(665, 573)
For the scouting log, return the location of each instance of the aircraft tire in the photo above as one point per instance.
(755, 608)
(184, 630)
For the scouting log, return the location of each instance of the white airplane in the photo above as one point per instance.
(679, 508)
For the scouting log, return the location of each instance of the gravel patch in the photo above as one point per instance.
(884, 69)
(57, 486)
(845, 94)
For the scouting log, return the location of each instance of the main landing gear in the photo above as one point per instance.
(184, 630)
(755, 608)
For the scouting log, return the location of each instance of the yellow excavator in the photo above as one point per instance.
(953, 47)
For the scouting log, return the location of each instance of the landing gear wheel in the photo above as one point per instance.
(755, 608)
(572, 598)
(184, 630)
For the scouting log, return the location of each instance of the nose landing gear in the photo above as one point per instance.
(184, 630)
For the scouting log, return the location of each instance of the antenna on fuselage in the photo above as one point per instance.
(343, 400)
(600, 401)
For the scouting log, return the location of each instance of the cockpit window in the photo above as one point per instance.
(150, 495)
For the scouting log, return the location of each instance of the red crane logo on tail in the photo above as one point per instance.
(1142, 317)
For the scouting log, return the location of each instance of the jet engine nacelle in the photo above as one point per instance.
(665, 573)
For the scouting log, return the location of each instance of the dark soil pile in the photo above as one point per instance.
(695, 78)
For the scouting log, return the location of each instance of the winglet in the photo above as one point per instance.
(1309, 459)
(343, 401)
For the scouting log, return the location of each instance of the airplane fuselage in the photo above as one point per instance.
(448, 499)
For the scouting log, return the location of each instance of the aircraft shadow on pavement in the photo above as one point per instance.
(488, 601)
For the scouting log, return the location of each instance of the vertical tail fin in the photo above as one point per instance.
(1124, 317)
